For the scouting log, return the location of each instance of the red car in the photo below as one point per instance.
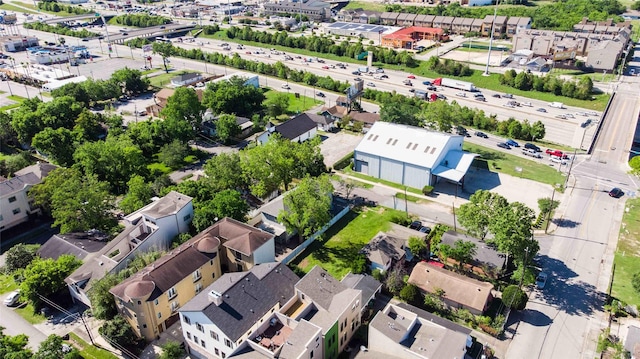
(411, 77)
(325, 67)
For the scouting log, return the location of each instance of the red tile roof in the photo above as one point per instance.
(407, 33)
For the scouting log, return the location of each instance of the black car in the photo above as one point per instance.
(425, 229)
(481, 99)
(496, 95)
(320, 94)
(415, 225)
(531, 146)
(503, 145)
(585, 123)
(481, 134)
(616, 192)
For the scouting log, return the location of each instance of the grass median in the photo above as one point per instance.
(627, 256)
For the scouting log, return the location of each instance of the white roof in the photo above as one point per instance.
(404, 143)
(455, 165)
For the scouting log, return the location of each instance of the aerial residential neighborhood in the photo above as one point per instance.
(319, 179)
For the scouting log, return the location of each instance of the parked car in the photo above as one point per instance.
(415, 225)
(503, 145)
(531, 146)
(540, 109)
(559, 160)
(531, 153)
(12, 298)
(512, 143)
(481, 134)
(425, 229)
(616, 192)
(541, 280)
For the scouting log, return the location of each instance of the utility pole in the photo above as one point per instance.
(493, 25)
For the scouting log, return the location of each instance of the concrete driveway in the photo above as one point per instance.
(334, 146)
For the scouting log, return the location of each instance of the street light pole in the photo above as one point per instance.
(493, 25)
(546, 228)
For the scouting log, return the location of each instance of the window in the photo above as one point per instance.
(159, 315)
(217, 351)
(16, 210)
(311, 355)
(172, 292)
(197, 275)
(139, 302)
(213, 335)
(200, 327)
(186, 319)
(198, 287)
(155, 302)
(12, 199)
(224, 355)
(228, 343)
(195, 339)
(238, 255)
(189, 335)
(174, 306)
(186, 218)
(202, 343)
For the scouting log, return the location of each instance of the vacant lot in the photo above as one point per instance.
(345, 239)
(296, 105)
(627, 258)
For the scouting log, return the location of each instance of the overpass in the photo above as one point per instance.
(152, 31)
(91, 16)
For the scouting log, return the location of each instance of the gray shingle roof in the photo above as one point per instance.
(368, 285)
(245, 297)
(76, 244)
(320, 286)
(485, 254)
(295, 126)
(27, 176)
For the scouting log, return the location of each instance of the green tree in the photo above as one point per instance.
(171, 350)
(173, 154)
(58, 144)
(277, 104)
(184, 105)
(51, 348)
(233, 97)
(103, 305)
(395, 280)
(87, 126)
(14, 347)
(44, 277)
(398, 112)
(138, 196)
(409, 293)
(119, 331)
(537, 131)
(513, 232)
(476, 215)
(227, 127)
(76, 203)
(514, 297)
(635, 5)
(226, 203)
(20, 255)
(225, 172)
(462, 251)
(546, 205)
(166, 50)
(306, 208)
(417, 245)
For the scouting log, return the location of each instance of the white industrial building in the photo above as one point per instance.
(411, 156)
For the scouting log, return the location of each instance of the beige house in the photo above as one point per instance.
(459, 291)
(149, 300)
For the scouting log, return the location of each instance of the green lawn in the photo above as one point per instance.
(497, 161)
(158, 168)
(365, 5)
(627, 257)
(7, 284)
(27, 313)
(296, 105)
(17, 9)
(345, 239)
(164, 79)
(353, 173)
(411, 198)
(89, 351)
(489, 82)
(595, 76)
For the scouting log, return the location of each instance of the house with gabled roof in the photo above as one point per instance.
(152, 227)
(459, 291)
(298, 129)
(245, 246)
(15, 205)
(411, 156)
(486, 260)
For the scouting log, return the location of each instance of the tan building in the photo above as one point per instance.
(149, 300)
(499, 28)
(244, 246)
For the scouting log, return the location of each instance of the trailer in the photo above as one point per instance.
(420, 94)
(456, 84)
(556, 104)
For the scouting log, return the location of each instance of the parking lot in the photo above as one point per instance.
(337, 145)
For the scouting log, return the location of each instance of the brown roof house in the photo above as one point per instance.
(384, 251)
(149, 300)
(459, 291)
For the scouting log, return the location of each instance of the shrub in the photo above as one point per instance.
(343, 162)
(635, 282)
(426, 190)
(408, 293)
(514, 297)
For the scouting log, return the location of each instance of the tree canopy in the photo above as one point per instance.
(306, 208)
(44, 277)
(233, 97)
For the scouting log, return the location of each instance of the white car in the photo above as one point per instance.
(12, 298)
(461, 94)
(527, 104)
(286, 87)
(555, 159)
(371, 84)
(541, 280)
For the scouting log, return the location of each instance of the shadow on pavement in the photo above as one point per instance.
(535, 318)
(565, 223)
